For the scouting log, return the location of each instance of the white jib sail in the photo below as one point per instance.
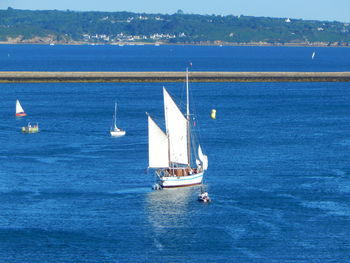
(158, 151)
(203, 158)
(19, 108)
(176, 125)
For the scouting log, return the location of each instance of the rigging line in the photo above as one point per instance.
(178, 101)
(195, 119)
(195, 136)
(198, 120)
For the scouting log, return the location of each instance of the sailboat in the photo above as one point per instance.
(313, 55)
(19, 110)
(115, 131)
(177, 161)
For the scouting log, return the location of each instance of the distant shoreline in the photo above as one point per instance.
(55, 27)
(250, 44)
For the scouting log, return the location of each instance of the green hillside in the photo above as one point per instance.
(25, 26)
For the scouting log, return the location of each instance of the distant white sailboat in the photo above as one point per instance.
(313, 55)
(19, 110)
(172, 153)
(115, 131)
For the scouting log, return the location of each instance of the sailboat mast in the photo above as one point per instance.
(188, 120)
(187, 97)
(115, 114)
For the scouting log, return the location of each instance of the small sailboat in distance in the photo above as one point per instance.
(174, 153)
(115, 131)
(313, 55)
(19, 110)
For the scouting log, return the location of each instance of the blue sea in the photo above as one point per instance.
(279, 170)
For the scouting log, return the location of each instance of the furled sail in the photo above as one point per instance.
(157, 146)
(19, 108)
(176, 125)
(203, 158)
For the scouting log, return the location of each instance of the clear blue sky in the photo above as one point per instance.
(306, 9)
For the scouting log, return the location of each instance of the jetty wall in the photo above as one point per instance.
(38, 76)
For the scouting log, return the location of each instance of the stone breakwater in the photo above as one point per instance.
(41, 76)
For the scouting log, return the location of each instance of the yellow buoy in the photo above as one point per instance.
(213, 114)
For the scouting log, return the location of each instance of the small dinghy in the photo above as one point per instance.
(30, 128)
(204, 197)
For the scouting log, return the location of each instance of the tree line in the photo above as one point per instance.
(69, 26)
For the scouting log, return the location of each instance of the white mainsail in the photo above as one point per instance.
(176, 125)
(157, 146)
(203, 158)
(19, 108)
